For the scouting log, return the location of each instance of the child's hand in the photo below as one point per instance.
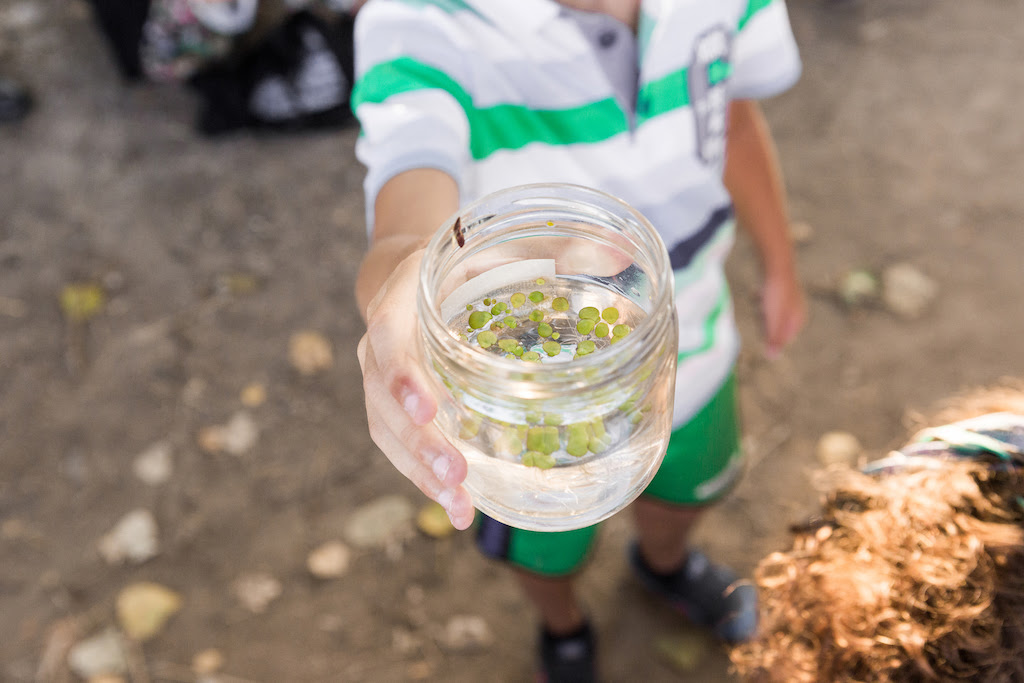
(399, 405)
(784, 309)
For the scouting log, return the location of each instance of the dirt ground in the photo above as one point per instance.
(902, 143)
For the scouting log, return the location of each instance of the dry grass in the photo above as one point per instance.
(910, 576)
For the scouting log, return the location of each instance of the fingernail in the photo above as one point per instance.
(410, 403)
(445, 498)
(442, 464)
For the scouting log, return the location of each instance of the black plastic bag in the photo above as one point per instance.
(299, 76)
(121, 22)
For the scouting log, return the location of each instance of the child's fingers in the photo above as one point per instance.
(419, 452)
(391, 338)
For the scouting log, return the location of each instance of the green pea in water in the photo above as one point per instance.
(550, 324)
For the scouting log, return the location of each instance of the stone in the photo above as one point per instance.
(256, 591)
(207, 661)
(405, 642)
(310, 352)
(329, 560)
(858, 287)
(101, 654)
(801, 232)
(133, 539)
(154, 465)
(683, 650)
(465, 633)
(253, 395)
(906, 291)
(838, 448)
(433, 521)
(237, 436)
(240, 433)
(143, 609)
(380, 523)
(82, 301)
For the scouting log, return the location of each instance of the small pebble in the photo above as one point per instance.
(683, 651)
(253, 395)
(907, 291)
(838, 448)
(433, 521)
(329, 560)
(858, 287)
(144, 607)
(463, 633)
(154, 465)
(310, 352)
(208, 661)
(256, 591)
(801, 232)
(236, 437)
(101, 654)
(380, 522)
(133, 539)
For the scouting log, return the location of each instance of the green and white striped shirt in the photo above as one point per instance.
(507, 92)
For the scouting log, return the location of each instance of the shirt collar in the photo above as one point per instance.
(528, 16)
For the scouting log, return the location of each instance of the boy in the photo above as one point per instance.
(458, 98)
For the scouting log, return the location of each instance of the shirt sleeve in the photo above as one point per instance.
(407, 96)
(765, 57)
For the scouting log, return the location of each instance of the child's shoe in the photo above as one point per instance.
(567, 659)
(707, 594)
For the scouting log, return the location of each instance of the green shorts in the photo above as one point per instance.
(702, 462)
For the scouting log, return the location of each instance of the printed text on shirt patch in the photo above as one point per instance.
(708, 79)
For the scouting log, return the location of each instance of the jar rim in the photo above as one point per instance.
(630, 350)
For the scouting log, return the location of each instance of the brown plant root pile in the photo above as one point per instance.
(911, 576)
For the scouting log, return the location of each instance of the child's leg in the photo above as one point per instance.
(662, 532)
(545, 564)
(701, 464)
(555, 601)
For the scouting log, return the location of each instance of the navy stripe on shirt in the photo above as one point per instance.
(683, 252)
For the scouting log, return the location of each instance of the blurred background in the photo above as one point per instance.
(187, 488)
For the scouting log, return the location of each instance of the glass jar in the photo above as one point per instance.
(547, 320)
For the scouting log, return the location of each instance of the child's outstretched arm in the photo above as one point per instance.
(754, 180)
(399, 405)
